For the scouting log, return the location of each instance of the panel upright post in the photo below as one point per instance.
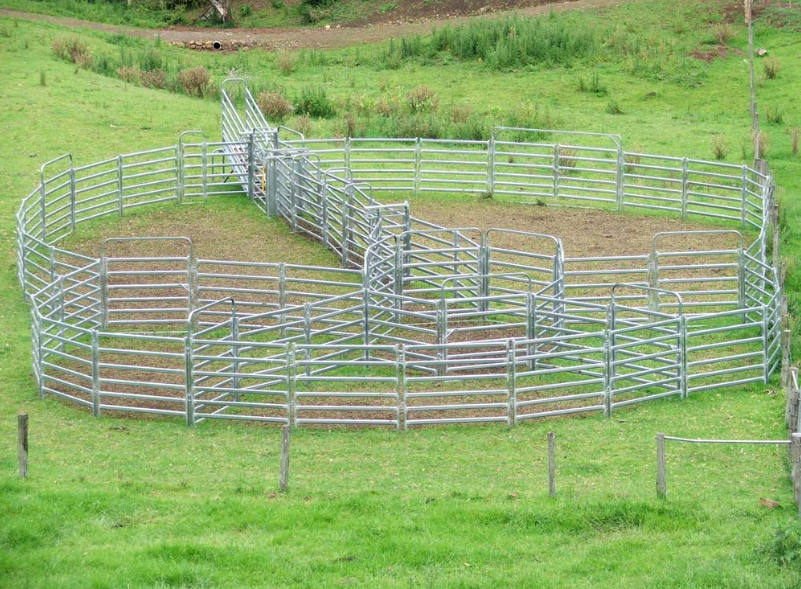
(418, 165)
(511, 385)
(120, 190)
(556, 172)
(72, 196)
(189, 379)
(661, 467)
(272, 186)
(685, 181)
(44, 208)
(252, 165)
(95, 374)
(744, 197)
(619, 174)
(491, 164)
(683, 376)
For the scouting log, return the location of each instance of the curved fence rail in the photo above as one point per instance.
(422, 324)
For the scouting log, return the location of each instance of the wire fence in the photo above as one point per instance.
(422, 324)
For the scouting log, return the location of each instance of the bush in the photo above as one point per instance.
(422, 99)
(84, 61)
(195, 81)
(475, 127)
(315, 103)
(274, 106)
(515, 42)
(772, 68)
(245, 10)
(348, 126)
(304, 124)
(460, 113)
(724, 33)
(593, 85)
(150, 59)
(71, 49)
(154, 79)
(613, 108)
(720, 147)
(784, 547)
(315, 10)
(774, 115)
(388, 105)
(427, 126)
(129, 75)
(286, 62)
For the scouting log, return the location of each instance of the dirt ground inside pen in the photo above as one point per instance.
(222, 235)
(584, 232)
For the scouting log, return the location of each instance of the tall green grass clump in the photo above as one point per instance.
(513, 42)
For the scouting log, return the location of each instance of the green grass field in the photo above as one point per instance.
(149, 503)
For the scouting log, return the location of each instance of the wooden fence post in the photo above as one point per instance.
(552, 464)
(22, 422)
(661, 469)
(284, 481)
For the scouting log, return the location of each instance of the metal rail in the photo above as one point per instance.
(422, 324)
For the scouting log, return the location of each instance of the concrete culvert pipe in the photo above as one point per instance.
(216, 45)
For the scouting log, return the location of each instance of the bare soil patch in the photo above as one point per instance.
(413, 19)
(584, 232)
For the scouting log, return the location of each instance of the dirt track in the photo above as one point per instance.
(315, 38)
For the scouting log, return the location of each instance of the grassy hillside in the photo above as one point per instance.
(149, 503)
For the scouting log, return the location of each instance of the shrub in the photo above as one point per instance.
(784, 547)
(504, 43)
(84, 61)
(71, 49)
(593, 85)
(154, 79)
(613, 108)
(304, 124)
(774, 115)
(475, 127)
(314, 101)
(388, 105)
(422, 99)
(720, 147)
(724, 33)
(42, 78)
(245, 10)
(286, 62)
(150, 59)
(567, 158)
(772, 68)
(348, 126)
(195, 81)
(104, 64)
(794, 133)
(315, 10)
(365, 105)
(460, 113)
(274, 106)
(129, 74)
(428, 126)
